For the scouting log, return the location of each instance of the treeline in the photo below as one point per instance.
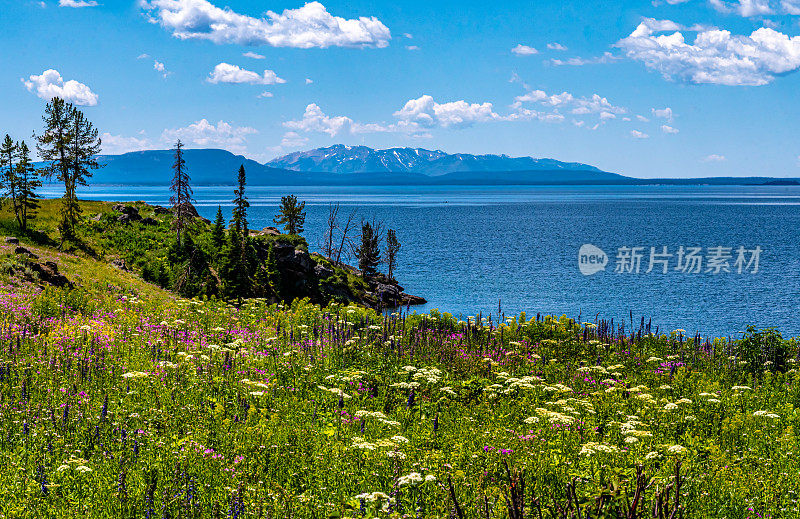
(68, 145)
(227, 261)
(223, 260)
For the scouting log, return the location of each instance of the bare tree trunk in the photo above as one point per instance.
(348, 226)
(333, 224)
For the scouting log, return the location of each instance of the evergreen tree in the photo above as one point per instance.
(181, 191)
(28, 182)
(84, 145)
(390, 252)
(9, 155)
(267, 278)
(369, 252)
(240, 205)
(53, 144)
(218, 231)
(291, 215)
(234, 268)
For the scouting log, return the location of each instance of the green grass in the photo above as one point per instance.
(118, 399)
(302, 411)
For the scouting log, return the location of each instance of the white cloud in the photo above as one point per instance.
(118, 144)
(566, 101)
(643, 118)
(50, 84)
(306, 27)
(636, 134)
(227, 73)
(293, 140)
(524, 50)
(662, 113)
(315, 120)
(607, 57)
(791, 7)
(77, 3)
(743, 7)
(309, 81)
(264, 95)
(716, 56)
(669, 129)
(206, 135)
(143, 56)
(253, 55)
(714, 158)
(160, 67)
(424, 112)
(556, 46)
(412, 47)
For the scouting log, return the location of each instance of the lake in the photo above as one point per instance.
(512, 249)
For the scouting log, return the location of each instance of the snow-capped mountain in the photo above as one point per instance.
(362, 159)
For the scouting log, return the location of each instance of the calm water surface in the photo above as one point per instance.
(472, 249)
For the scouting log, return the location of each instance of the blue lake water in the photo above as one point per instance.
(472, 249)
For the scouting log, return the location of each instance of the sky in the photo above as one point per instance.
(665, 88)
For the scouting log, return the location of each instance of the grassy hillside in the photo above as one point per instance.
(119, 399)
(132, 403)
(145, 245)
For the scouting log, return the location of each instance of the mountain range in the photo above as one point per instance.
(360, 165)
(361, 159)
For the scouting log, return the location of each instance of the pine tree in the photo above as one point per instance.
(240, 205)
(181, 191)
(53, 144)
(291, 215)
(369, 252)
(9, 155)
(267, 278)
(69, 146)
(390, 252)
(84, 145)
(27, 183)
(234, 268)
(218, 231)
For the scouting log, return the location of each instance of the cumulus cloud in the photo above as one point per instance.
(264, 95)
(160, 67)
(315, 120)
(636, 134)
(669, 129)
(227, 73)
(607, 57)
(77, 3)
(743, 7)
(253, 55)
(556, 46)
(50, 84)
(412, 47)
(716, 56)
(524, 50)
(568, 102)
(309, 81)
(714, 158)
(118, 144)
(306, 27)
(662, 113)
(424, 112)
(204, 134)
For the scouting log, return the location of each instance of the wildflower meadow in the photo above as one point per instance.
(126, 405)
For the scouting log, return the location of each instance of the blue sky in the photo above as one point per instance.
(649, 89)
